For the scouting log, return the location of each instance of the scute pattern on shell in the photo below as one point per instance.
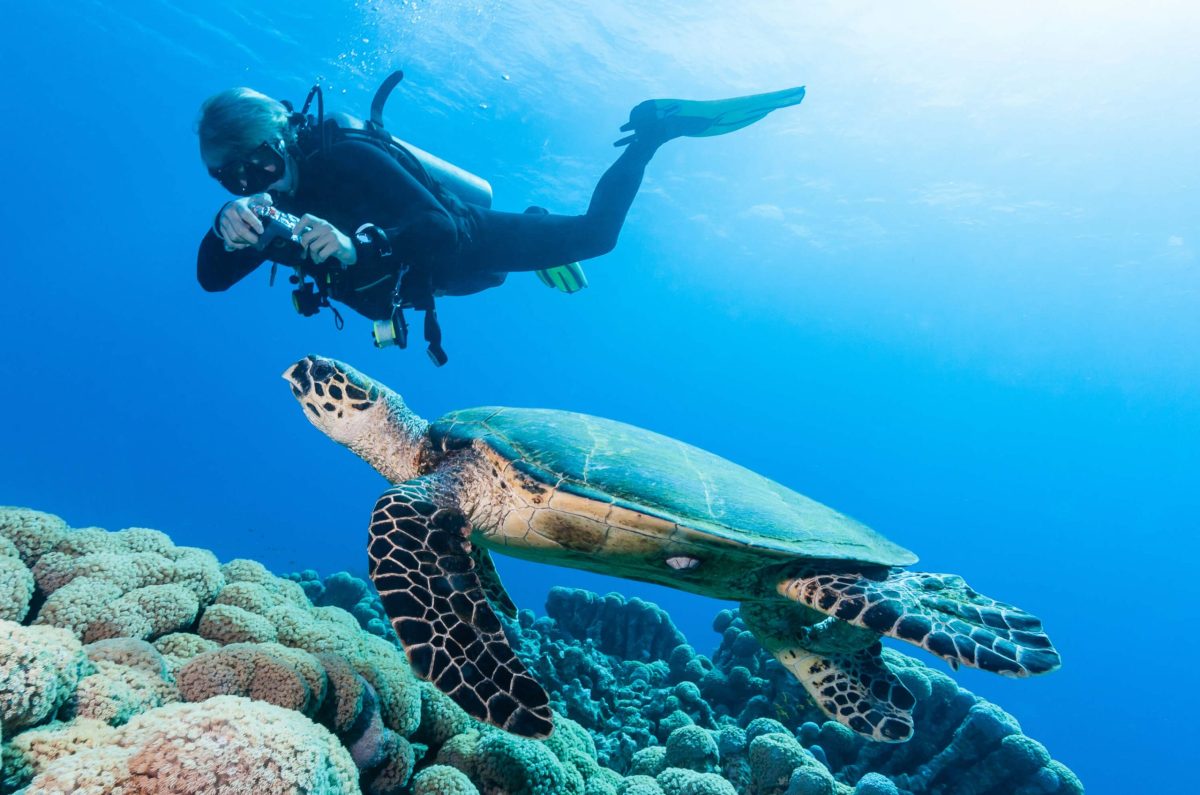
(663, 478)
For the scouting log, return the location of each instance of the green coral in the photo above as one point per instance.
(32, 533)
(693, 748)
(677, 781)
(639, 785)
(500, 762)
(441, 718)
(76, 605)
(126, 571)
(39, 669)
(250, 572)
(442, 780)
(773, 757)
(811, 780)
(346, 695)
(226, 624)
(114, 693)
(16, 583)
(387, 670)
(91, 540)
(390, 775)
(179, 647)
(649, 761)
(129, 560)
(145, 613)
(129, 676)
(497, 761)
(130, 652)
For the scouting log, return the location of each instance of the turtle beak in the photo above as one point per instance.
(298, 376)
(309, 370)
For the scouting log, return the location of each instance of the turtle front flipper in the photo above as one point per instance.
(853, 686)
(938, 612)
(420, 562)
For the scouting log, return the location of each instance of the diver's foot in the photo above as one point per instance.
(656, 121)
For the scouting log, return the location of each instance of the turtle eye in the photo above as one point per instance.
(683, 562)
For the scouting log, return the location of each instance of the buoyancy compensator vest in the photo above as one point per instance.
(449, 183)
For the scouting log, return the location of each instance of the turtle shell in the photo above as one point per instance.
(612, 462)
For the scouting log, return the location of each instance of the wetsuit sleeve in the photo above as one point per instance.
(418, 229)
(218, 269)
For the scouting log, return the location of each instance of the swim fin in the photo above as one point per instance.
(660, 120)
(565, 278)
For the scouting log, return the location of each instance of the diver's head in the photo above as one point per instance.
(355, 411)
(244, 139)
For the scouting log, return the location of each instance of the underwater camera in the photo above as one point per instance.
(278, 234)
(281, 242)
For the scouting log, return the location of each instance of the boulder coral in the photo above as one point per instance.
(224, 744)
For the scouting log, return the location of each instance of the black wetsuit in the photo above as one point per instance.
(448, 247)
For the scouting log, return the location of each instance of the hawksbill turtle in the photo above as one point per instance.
(816, 588)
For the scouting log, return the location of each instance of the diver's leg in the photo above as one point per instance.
(531, 241)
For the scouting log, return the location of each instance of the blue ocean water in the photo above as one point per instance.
(953, 294)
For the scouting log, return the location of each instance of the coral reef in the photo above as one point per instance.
(663, 707)
(128, 664)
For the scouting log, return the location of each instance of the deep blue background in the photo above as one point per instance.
(953, 294)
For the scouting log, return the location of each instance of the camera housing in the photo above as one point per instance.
(279, 238)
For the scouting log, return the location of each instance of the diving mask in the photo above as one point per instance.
(253, 173)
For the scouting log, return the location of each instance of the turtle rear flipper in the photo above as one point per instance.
(421, 565)
(855, 687)
(938, 612)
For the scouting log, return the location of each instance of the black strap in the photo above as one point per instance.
(338, 322)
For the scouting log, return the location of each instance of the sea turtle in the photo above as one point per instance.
(816, 588)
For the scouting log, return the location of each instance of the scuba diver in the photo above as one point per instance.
(379, 225)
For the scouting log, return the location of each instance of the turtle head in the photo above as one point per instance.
(361, 414)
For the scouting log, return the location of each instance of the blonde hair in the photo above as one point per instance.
(236, 121)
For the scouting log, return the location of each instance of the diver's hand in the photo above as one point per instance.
(237, 224)
(322, 240)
